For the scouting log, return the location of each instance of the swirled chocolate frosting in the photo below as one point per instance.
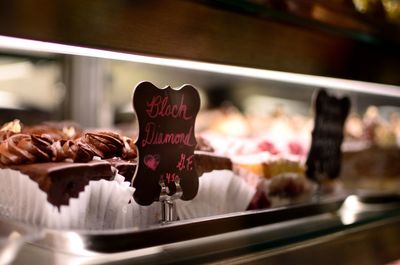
(50, 133)
(27, 149)
(104, 144)
(20, 148)
(5, 134)
(42, 145)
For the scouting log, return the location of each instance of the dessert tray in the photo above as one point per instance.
(212, 239)
(90, 242)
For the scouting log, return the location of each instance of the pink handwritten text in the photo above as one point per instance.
(185, 163)
(154, 137)
(169, 177)
(160, 106)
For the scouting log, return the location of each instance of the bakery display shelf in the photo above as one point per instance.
(272, 233)
(271, 40)
(228, 39)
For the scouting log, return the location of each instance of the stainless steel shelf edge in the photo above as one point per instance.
(131, 239)
(254, 245)
(93, 242)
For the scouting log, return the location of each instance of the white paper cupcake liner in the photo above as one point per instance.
(134, 215)
(102, 205)
(220, 192)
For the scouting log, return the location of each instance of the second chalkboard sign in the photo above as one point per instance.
(166, 141)
(324, 158)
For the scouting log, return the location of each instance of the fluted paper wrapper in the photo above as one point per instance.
(101, 205)
(220, 192)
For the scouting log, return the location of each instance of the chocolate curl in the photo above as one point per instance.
(84, 152)
(104, 144)
(57, 152)
(129, 150)
(7, 157)
(44, 145)
(74, 150)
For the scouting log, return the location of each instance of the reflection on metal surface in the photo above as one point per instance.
(97, 258)
(354, 205)
(375, 243)
(299, 79)
(75, 243)
(12, 238)
(280, 243)
(349, 210)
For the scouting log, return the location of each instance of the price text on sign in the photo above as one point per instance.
(324, 158)
(166, 140)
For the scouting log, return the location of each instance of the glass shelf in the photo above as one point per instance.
(237, 33)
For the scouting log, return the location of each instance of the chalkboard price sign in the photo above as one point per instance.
(324, 158)
(166, 141)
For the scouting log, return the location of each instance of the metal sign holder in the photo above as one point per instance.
(168, 201)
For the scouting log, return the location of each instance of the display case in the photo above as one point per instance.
(263, 58)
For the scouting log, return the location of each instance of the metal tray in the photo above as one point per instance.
(114, 241)
(12, 239)
(317, 232)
